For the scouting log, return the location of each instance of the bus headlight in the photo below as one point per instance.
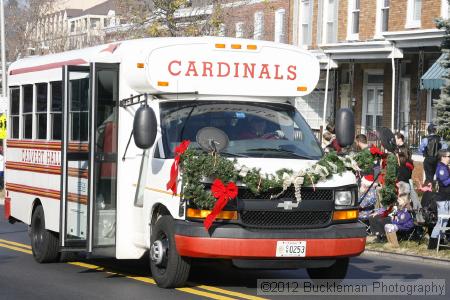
(343, 198)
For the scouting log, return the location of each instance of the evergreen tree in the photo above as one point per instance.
(443, 103)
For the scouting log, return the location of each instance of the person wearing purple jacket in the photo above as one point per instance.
(443, 199)
(402, 221)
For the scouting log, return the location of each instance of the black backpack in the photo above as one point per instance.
(433, 146)
(429, 207)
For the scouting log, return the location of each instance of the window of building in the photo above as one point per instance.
(41, 111)
(239, 29)
(445, 9)
(279, 26)
(56, 110)
(27, 111)
(414, 13)
(14, 116)
(305, 22)
(382, 17)
(330, 22)
(95, 23)
(72, 26)
(353, 20)
(258, 27)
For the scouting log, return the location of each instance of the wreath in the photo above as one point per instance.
(199, 168)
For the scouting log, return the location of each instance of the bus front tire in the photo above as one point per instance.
(169, 269)
(44, 243)
(337, 270)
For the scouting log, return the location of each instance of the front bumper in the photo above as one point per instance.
(232, 241)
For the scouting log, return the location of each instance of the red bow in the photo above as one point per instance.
(375, 150)
(223, 194)
(180, 149)
(410, 166)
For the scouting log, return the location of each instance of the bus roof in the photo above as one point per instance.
(206, 65)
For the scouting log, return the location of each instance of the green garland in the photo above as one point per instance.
(365, 160)
(389, 193)
(199, 167)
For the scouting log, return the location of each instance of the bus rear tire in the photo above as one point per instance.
(44, 243)
(169, 269)
(337, 270)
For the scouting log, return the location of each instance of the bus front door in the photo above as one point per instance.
(89, 158)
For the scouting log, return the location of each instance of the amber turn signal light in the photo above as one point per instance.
(340, 215)
(202, 214)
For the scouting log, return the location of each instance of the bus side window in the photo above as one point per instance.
(14, 117)
(27, 111)
(41, 111)
(56, 110)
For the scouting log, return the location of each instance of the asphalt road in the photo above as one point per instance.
(22, 278)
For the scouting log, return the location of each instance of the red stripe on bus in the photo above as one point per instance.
(54, 65)
(81, 147)
(46, 169)
(54, 194)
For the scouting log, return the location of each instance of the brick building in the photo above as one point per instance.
(375, 52)
(253, 19)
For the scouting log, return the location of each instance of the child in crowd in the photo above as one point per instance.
(402, 220)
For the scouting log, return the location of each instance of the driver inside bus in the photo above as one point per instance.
(259, 128)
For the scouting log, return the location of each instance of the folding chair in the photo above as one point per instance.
(442, 229)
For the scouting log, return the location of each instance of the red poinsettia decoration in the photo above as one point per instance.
(179, 150)
(375, 150)
(223, 193)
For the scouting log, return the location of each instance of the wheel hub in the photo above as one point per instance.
(157, 252)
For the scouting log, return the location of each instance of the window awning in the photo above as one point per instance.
(432, 79)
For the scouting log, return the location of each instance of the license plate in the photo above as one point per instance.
(291, 249)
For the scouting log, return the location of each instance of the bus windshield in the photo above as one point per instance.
(251, 129)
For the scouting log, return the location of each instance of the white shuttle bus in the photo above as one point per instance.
(77, 178)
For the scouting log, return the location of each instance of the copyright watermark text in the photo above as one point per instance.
(349, 287)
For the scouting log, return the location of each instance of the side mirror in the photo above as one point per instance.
(345, 127)
(144, 127)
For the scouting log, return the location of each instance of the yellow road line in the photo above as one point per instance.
(85, 265)
(15, 244)
(15, 248)
(204, 294)
(151, 281)
(227, 292)
(191, 290)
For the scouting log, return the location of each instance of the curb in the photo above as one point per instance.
(409, 257)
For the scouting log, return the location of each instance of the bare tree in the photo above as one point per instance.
(173, 17)
(23, 18)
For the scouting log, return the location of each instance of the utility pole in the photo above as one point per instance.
(2, 38)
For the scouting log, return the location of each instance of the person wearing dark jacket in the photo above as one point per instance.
(443, 199)
(429, 147)
(405, 167)
(401, 145)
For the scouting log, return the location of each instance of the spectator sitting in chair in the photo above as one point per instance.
(402, 221)
(367, 196)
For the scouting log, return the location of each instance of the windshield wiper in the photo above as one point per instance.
(220, 153)
(232, 154)
(280, 150)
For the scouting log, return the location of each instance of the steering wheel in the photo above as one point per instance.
(274, 135)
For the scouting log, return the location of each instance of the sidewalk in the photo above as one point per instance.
(410, 249)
